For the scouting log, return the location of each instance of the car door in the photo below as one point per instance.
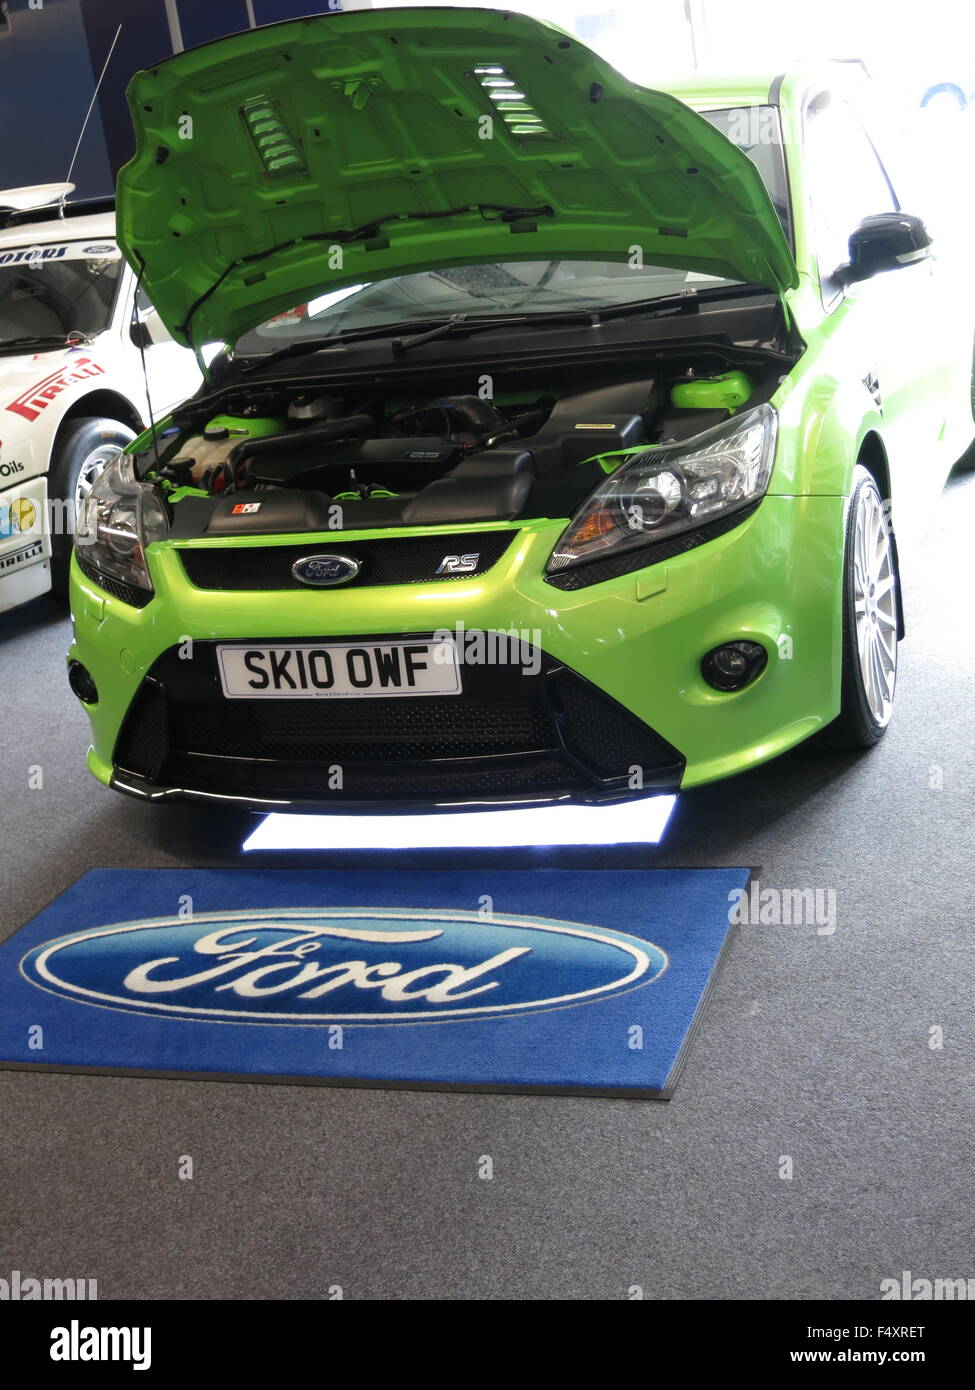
(896, 320)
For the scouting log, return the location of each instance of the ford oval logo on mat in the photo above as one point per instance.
(342, 965)
(325, 570)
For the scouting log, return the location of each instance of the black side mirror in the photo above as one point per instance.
(885, 241)
(139, 333)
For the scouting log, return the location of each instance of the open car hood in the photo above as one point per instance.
(295, 159)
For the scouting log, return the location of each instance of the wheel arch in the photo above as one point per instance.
(110, 404)
(96, 406)
(873, 457)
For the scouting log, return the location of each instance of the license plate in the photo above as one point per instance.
(339, 670)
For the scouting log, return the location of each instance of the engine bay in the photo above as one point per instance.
(279, 459)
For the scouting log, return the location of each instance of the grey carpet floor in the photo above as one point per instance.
(813, 1047)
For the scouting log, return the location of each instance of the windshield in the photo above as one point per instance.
(49, 291)
(488, 290)
(757, 132)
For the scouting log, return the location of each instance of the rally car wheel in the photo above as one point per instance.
(83, 450)
(870, 620)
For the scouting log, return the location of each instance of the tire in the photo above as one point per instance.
(83, 449)
(871, 608)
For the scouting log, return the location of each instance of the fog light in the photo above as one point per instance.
(80, 681)
(732, 665)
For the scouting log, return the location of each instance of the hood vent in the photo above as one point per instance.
(510, 102)
(275, 147)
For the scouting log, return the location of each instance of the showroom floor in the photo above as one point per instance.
(814, 1047)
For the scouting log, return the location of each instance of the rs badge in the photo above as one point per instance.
(459, 564)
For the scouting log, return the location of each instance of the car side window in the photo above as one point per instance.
(141, 308)
(757, 132)
(847, 183)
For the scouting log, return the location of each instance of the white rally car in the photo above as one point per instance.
(72, 391)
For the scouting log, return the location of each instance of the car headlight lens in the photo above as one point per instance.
(117, 520)
(671, 488)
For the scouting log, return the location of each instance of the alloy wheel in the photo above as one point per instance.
(92, 467)
(875, 605)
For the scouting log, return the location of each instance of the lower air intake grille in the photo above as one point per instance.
(340, 731)
(600, 733)
(145, 733)
(538, 732)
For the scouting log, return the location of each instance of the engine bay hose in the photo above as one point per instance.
(349, 427)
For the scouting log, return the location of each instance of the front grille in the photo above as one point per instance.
(512, 733)
(395, 560)
(428, 727)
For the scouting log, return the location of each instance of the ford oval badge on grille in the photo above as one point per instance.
(322, 571)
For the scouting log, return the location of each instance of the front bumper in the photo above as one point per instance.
(518, 733)
(616, 707)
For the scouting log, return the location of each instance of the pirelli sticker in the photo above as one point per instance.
(29, 404)
(15, 558)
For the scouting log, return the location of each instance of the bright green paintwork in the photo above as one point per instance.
(380, 129)
(242, 425)
(728, 392)
(639, 637)
(776, 578)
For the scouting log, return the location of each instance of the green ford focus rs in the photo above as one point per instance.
(555, 440)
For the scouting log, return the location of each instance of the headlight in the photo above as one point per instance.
(671, 488)
(117, 520)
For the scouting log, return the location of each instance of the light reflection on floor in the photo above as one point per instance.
(633, 822)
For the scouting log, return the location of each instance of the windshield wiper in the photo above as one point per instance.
(425, 331)
(685, 301)
(51, 340)
(401, 345)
